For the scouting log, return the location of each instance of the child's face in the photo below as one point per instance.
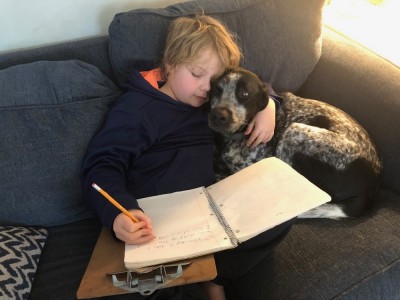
(190, 83)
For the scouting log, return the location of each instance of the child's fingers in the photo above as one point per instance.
(249, 128)
(129, 226)
(143, 217)
(255, 138)
(261, 138)
(140, 236)
(252, 134)
(135, 234)
(144, 239)
(255, 142)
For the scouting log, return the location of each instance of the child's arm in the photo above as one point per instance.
(133, 233)
(262, 126)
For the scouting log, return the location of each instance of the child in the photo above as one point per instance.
(156, 140)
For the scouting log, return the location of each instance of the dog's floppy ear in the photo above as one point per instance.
(263, 89)
(206, 107)
(264, 95)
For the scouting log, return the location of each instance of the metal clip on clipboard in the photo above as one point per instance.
(147, 280)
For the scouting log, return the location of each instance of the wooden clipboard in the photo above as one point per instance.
(107, 257)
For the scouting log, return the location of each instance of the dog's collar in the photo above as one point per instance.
(237, 136)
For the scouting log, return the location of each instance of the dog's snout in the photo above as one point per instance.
(220, 116)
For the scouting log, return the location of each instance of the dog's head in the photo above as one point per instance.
(235, 98)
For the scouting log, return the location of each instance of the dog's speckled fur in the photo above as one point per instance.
(318, 140)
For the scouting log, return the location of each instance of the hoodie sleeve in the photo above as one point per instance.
(274, 96)
(124, 136)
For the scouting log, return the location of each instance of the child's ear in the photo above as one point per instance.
(167, 69)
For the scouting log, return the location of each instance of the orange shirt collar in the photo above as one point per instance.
(152, 77)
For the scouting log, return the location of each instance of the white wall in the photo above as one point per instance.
(27, 24)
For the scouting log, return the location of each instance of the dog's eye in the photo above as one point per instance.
(243, 94)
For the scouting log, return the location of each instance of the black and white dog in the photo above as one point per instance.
(320, 141)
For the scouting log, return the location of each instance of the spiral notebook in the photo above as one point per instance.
(209, 219)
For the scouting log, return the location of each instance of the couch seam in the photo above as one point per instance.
(367, 278)
(198, 5)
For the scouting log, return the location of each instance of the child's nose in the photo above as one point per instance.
(206, 85)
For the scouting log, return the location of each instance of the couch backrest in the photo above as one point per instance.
(92, 50)
(49, 110)
(280, 39)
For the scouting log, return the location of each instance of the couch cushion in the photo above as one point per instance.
(20, 249)
(280, 39)
(64, 259)
(355, 258)
(48, 113)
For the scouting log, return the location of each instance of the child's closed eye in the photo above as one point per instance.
(197, 75)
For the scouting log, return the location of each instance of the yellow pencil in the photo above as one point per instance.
(114, 202)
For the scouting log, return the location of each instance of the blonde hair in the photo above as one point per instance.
(187, 37)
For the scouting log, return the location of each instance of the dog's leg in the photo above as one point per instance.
(328, 211)
(333, 163)
(325, 145)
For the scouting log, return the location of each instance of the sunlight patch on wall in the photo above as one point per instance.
(372, 23)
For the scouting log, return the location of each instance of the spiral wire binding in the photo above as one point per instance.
(221, 218)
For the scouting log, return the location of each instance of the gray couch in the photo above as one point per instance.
(53, 99)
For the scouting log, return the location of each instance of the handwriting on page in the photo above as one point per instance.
(184, 220)
(188, 236)
(183, 224)
(191, 235)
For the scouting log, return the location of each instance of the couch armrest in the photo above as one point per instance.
(367, 87)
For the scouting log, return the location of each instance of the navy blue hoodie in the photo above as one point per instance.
(150, 144)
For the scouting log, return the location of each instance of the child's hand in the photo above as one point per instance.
(262, 126)
(133, 233)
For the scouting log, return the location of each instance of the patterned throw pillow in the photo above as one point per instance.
(20, 249)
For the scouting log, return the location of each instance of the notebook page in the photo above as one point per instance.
(184, 226)
(264, 195)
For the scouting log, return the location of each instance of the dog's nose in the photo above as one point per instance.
(220, 116)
